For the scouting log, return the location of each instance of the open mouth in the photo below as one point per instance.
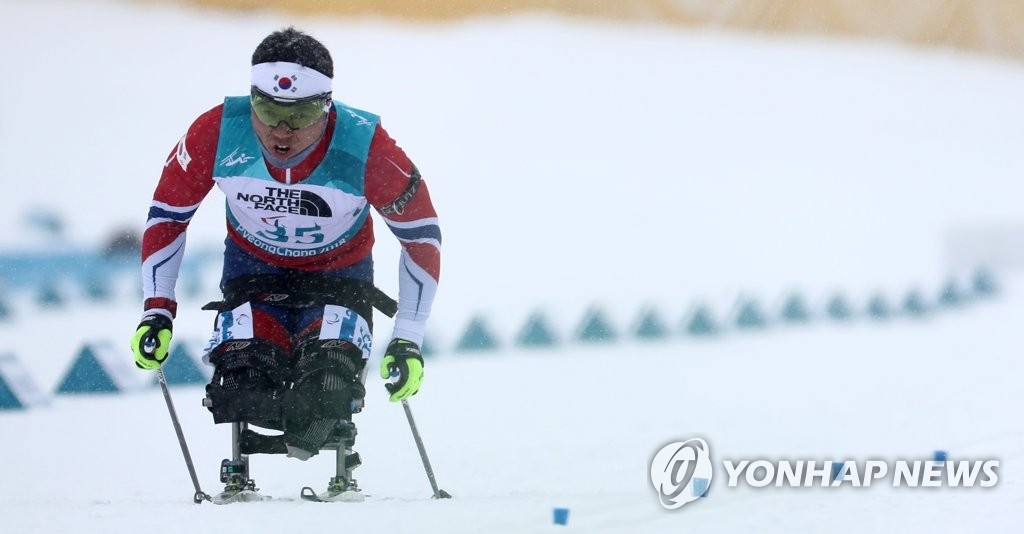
(281, 149)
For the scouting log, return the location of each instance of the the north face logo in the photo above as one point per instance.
(279, 200)
(313, 205)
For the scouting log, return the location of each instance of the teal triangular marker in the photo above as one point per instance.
(913, 304)
(87, 376)
(984, 283)
(182, 369)
(950, 295)
(536, 332)
(17, 390)
(477, 337)
(650, 325)
(839, 309)
(595, 328)
(700, 322)
(49, 297)
(794, 309)
(8, 400)
(749, 315)
(878, 308)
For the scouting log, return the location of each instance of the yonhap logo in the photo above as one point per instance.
(681, 472)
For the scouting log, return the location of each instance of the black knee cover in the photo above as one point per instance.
(325, 381)
(248, 382)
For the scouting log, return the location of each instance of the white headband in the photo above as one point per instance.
(289, 80)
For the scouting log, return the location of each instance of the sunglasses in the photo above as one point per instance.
(297, 114)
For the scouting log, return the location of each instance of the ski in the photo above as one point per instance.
(238, 486)
(308, 494)
(246, 495)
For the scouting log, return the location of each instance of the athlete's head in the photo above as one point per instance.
(291, 92)
(293, 46)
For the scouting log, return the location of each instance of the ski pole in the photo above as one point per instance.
(438, 493)
(199, 496)
(149, 345)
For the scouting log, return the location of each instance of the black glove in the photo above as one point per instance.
(402, 359)
(152, 341)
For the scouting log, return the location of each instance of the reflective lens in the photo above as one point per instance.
(297, 114)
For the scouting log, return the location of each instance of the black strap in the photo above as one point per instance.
(303, 290)
(398, 205)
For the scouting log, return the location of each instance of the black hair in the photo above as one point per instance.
(294, 46)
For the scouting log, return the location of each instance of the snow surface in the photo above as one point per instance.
(654, 166)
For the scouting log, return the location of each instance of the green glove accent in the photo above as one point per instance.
(402, 359)
(151, 342)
